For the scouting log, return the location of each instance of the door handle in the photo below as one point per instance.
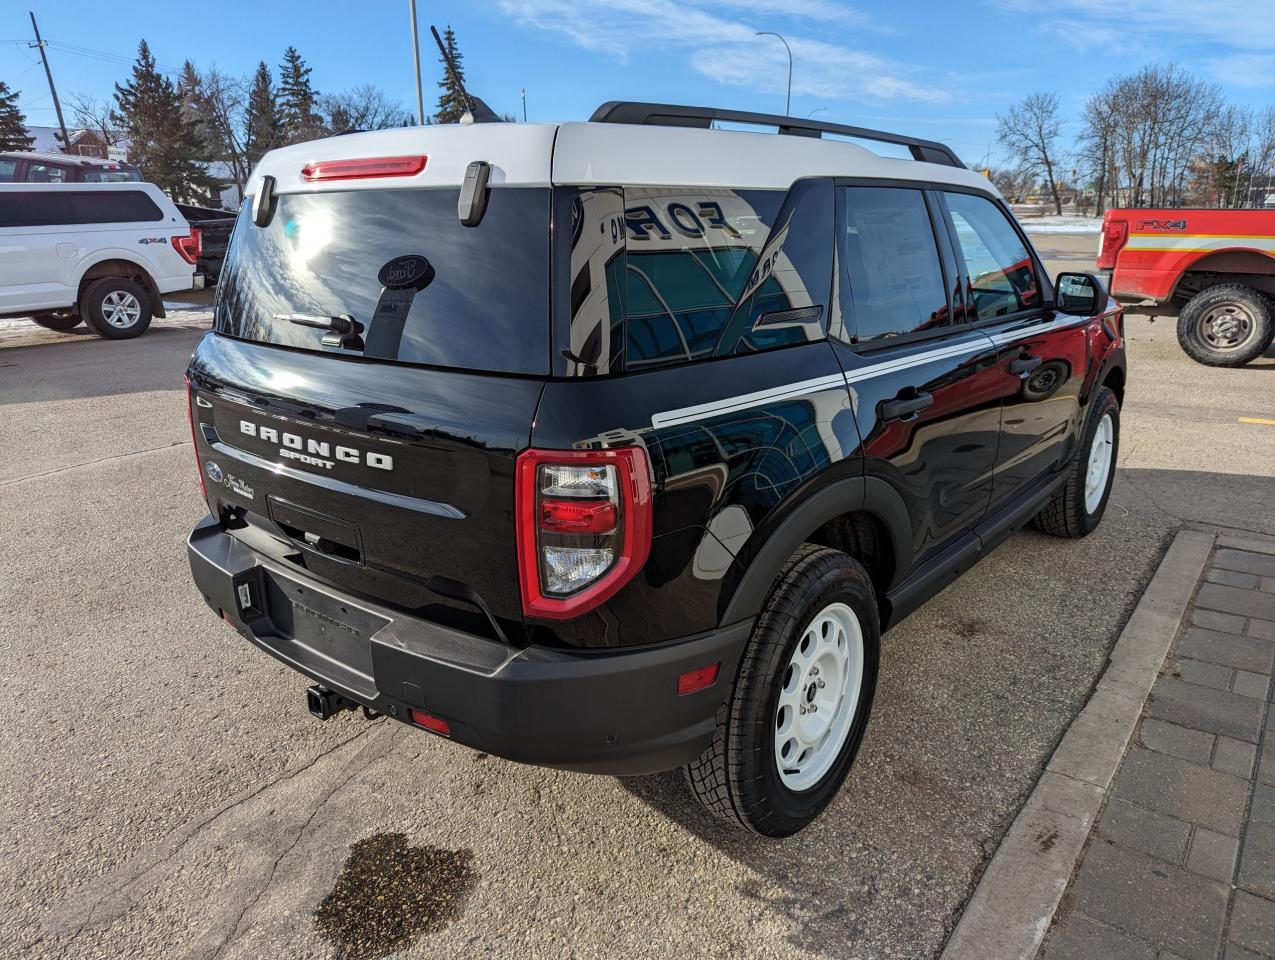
(901, 407)
(1024, 364)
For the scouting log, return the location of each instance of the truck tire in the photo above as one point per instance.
(1076, 510)
(1226, 326)
(116, 308)
(58, 321)
(789, 731)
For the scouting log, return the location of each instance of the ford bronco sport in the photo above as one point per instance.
(615, 446)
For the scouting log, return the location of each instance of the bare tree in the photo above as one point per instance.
(221, 104)
(1029, 131)
(364, 107)
(90, 113)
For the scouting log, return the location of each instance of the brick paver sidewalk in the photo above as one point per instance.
(1181, 862)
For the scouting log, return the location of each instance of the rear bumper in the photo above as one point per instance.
(613, 711)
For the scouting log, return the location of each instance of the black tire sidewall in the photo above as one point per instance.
(91, 307)
(1261, 308)
(779, 811)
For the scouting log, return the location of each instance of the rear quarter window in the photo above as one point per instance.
(43, 208)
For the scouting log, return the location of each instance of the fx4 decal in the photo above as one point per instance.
(1163, 225)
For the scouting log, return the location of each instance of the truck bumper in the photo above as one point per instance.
(614, 711)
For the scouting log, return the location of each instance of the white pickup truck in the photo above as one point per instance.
(99, 253)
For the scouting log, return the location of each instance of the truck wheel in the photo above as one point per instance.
(1076, 510)
(789, 731)
(116, 308)
(58, 321)
(1226, 326)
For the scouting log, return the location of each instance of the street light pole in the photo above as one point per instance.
(771, 33)
(416, 57)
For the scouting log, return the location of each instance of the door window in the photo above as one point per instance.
(7, 169)
(45, 173)
(892, 280)
(1002, 276)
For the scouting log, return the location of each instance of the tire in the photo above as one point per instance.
(116, 308)
(739, 776)
(1227, 325)
(58, 321)
(1076, 510)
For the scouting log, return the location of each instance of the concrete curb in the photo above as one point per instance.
(1011, 908)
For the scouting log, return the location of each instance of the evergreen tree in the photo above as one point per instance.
(13, 126)
(297, 114)
(163, 141)
(264, 127)
(451, 104)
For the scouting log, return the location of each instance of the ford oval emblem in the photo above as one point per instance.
(213, 470)
(409, 272)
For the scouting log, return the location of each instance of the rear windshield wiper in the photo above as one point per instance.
(343, 331)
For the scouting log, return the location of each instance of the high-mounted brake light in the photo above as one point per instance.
(583, 525)
(190, 246)
(363, 168)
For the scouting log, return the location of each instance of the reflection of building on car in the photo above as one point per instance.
(1212, 269)
(623, 460)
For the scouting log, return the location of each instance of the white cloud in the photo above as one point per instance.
(726, 49)
(1245, 69)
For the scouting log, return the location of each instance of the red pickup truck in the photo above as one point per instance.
(1212, 269)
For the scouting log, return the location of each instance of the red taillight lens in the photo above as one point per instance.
(363, 168)
(189, 246)
(430, 722)
(583, 524)
(1115, 233)
(190, 417)
(700, 679)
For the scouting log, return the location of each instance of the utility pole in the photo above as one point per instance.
(524, 104)
(771, 33)
(57, 105)
(416, 57)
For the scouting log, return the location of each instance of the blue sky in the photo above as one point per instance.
(935, 69)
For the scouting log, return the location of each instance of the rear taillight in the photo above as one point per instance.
(189, 246)
(190, 416)
(584, 526)
(363, 168)
(1115, 233)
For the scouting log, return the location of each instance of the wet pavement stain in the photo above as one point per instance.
(389, 893)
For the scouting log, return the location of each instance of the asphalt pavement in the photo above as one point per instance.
(163, 791)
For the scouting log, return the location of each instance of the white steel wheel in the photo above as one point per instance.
(819, 697)
(121, 309)
(1098, 471)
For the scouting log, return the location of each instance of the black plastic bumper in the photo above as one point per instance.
(609, 711)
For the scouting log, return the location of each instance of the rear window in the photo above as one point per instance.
(480, 302)
(44, 208)
(109, 175)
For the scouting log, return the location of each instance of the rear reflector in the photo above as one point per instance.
(700, 679)
(363, 168)
(190, 416)
(430, 722)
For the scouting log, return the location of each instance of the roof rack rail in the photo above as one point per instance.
(670, 115)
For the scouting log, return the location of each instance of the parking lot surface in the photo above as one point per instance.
(163, 791)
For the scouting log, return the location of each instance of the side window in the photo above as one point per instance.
(42, 208)
(711, 273)
(36, 208)
(890, 264)
(1002, 275)
(7, 170)
(45, 173)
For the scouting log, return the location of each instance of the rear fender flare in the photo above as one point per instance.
(869, 495)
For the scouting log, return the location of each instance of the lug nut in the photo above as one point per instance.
(820, 682)
(814, 671)
(813, 708)
(803, 708)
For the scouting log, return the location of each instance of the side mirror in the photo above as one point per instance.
(1080, 294)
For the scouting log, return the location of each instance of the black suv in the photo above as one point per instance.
(615, 446)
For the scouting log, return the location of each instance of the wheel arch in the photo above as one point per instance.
(115, 263)
(1249, 266)
(852, 507)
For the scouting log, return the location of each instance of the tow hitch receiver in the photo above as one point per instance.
(323, 703)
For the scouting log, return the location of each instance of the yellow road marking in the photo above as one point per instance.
(1262, 420)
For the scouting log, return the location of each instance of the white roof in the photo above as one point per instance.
(534, 154)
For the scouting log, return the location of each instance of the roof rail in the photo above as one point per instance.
(670, 115)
